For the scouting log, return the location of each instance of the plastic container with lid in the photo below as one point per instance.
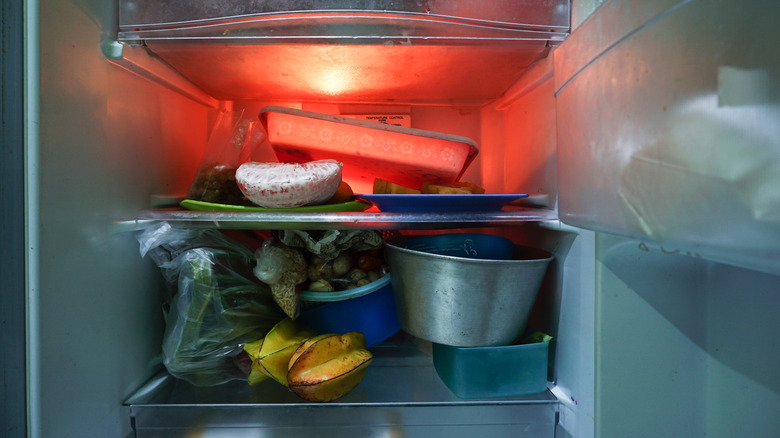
(367, 149)
(369, 309)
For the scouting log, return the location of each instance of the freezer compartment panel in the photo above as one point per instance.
(329, 17)
(436, 51)
(671, 133)
(442, 74)
(416, 403)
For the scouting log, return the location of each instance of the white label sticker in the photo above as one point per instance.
(404, 120)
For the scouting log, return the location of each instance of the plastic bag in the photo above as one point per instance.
(236, 139)
(282, 268)
(329, 244)
(214, 307)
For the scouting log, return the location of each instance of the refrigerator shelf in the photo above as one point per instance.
(342, 220)
(416, 403)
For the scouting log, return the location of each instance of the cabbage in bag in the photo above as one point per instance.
(215, 304)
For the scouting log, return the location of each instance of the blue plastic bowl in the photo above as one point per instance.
(369, 309)
(468, 245)
(490, 372)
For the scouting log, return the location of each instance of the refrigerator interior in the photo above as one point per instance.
(651, 333)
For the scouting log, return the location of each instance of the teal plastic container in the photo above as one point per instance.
(490, 372)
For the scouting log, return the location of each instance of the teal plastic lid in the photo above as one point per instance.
(326, 297)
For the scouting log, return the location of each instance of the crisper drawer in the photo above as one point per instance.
(400, 396)
(669, 131)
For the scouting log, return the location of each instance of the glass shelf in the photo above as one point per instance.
(401, 395)
(343, 220)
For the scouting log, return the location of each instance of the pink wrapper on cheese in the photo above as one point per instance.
(288, 185)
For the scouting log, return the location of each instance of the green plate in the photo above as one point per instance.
(189, 204)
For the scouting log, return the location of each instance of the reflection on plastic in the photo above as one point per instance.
(714, 177)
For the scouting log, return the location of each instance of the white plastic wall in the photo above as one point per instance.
(523, 124)
(100, 142)
(684, 347)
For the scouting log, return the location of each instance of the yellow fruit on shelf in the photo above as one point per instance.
(257, 373)
(304, 346)
(383, 187)
(329, 367)
(343, 194)
(458, 188)
(278, 346)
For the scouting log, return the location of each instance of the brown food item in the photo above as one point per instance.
(383, 187)
(283, 269)
(342, 264)
(321, 271)
(343, 194)
(216, 183)
(457, 188)
(368, 262)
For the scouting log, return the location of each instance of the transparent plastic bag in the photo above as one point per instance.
(215, 306)
(282, 268)
(236, 139)
(329, 244)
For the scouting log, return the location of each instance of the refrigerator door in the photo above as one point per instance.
(669, 147)
(668, 127)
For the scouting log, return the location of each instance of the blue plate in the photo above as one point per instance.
(440, 203)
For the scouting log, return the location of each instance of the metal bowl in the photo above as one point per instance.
(463, 301)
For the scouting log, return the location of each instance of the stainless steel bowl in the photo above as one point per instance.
(464, 302)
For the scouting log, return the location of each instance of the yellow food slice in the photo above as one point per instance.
(334, 388)
(278, 346)
(459, 188)
(329, 367)
(383, 187)
(282, 335)
(257, 374)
